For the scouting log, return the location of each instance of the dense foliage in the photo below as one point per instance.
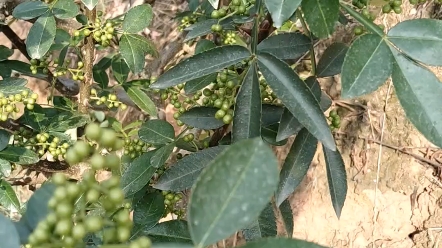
(237, 96)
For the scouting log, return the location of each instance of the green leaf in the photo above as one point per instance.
(90, 4)
(421, 39)
(5, 72)
(12, 86)
(156, 132)
(5, 53)
(23, 68)
(65, 9)
(8, 233)
(205, 27)
(120, 70)
(287, 217)
(247, 118)
(286, 45)
(367, 65)
(201, 65)
(202, 118)
(41, 36)
(133, 49)
(175, 231)
(321, 16)
(5, 168)
(331, 61)
(148, 210)
(4, 139)
(22, 230)
(138, 18)
(264, 226)
(197, 84)
(67, 120)
(30, 10)
(280, 242)
(204, 45)
(281, 10)
(269, 134)
(142, 100)
(296, 96)
(296, 165)
(214, 3)
(337, 178)
(19, 155)
(172, 245)
(271, 114)
(418, 102)
(8, 198)
(182, 174)
(101, 78)
(246, 170)
(137, 174)
(37, 206)
(161, 155)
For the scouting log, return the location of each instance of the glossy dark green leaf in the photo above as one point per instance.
(148, 210)
(23, 68)
(8, 198)
(367, 65)
(246, 170)
(161, 155)
(204, 27)
(286, 45)
(5, 52)
(296, 164)
(183, 174)
(137, 174)
(90, 4)
(138, 18)
(264, 226)
(419, 101)
(37, 206)
(280, 242)
(331, 61)
(175, 231)
(133, 49)
(5, 72)
(41, 36)
(142, 100)
(4, 138)
(269, 134)
(30, 10)
(287, 217)
(271, 114)
(8, 234)
(289, 125)
(156, 132)
(120, 70)
(321, 16)
(5, 168)
(65, 9)
(194, 85)
(337, 178)
(246, 121)
(202, 64)
(201, 117)
(281, 10)
(204, 45)
(296, 96)
(421, 39)
(19, 155)
(101, 78)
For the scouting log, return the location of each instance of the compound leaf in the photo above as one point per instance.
(182, 174)
(201, 117)
(202, 64)
(156, 132)
(8, 198)
(296, 164)
(337, 178)
(286, 46)
(247, 118)
(8, 233)
(246, 170)
(321, 16)
(137, 174)
(296, 96)
(30, 10)
(41, 36)
(281, 10)
(138, 18)
(367, 65)
(331, 60)
(133, 49)
(142, 100)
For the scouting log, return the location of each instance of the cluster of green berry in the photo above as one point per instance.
(102, 32)
(393, 5)
(179, 101)
(360, 4)
(111, 100)
(335, 120)
(267, 95)
(39, 64)
(40, 143)
(170, 201)
(187, 21)
(135, 147)
(8, 103)
(229, 38)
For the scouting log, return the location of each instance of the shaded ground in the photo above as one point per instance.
(393, 198)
